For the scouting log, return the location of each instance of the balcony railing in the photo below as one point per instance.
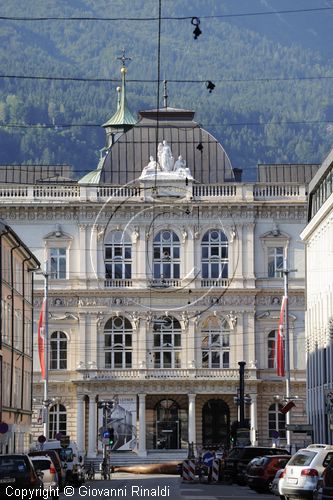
(215, 283)
(164, 283)
(118, 283)
(64, 193)
(167, 374)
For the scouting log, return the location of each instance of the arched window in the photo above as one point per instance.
(166, 255)
(58, 351)
(276, 420)
(167, 342)
(118, 256)
(215, 343)
(57, 421)
(118, 343)
(214, 255)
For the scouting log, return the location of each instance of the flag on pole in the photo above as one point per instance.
(280, 341)
(41, 339)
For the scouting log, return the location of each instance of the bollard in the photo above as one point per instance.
(188, 473)
(215, 470)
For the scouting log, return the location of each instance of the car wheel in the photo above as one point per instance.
(282, 497)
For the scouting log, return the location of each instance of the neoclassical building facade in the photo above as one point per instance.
(164, 273)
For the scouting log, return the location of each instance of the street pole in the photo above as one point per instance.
(286, 343)
(46, 353)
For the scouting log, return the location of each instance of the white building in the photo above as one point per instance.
(318, 236)
(161, 280)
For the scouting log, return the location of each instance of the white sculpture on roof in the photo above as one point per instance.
(166, 167)
(165, 157)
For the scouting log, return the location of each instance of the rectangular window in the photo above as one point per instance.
(275, 262)
(58, 263)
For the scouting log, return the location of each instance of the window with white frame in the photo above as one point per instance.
(58, 351)
(276, 421)
(214, 254)
(166, 258)
(118, 256)
(58, 263)
(271, 344)
(215, 343)
(167, 342)
(57, 420)
(275, 262)
(118, 343)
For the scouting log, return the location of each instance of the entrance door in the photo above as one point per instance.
(167, 435)
(215, 424)
(167, 425)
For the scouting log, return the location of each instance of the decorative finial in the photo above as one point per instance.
(123, 58)
(165, 96)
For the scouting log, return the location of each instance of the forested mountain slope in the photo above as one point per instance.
(262, 109)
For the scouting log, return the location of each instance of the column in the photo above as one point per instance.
(93, 247)
(142, 425)
(80, 424)
(192, 438)
(92, 427)
(190, 335)
(253, 420)
(82, 251)
(81, 354)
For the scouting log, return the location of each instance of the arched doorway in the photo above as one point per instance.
(167, 425)
(215, 424)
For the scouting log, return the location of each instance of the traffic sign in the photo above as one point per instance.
(41, 439)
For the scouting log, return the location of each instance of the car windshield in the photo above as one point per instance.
(41, 464)
(303, 458)
(8, 464)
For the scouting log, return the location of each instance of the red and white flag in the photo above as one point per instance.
(41, 339)
(280, 341)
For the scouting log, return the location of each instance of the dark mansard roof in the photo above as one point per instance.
(131, 150)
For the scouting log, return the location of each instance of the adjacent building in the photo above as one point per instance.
(165, 271)
(318, 237)
(16, 336)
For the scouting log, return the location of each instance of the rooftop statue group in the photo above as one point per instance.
(166, 163)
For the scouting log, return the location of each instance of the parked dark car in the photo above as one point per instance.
(327, 482)
(235, 463)
(56, 461)
(16, 473)
(261, 471)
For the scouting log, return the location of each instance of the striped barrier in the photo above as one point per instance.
(215, 470)
(188, 473)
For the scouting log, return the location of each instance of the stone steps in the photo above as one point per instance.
(130, 458)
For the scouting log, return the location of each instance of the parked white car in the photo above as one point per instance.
(276, 486)
(49, 477)
(304, 470)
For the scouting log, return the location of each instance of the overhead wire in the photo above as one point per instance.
(167, 18)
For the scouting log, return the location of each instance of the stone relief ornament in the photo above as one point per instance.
(232, 320)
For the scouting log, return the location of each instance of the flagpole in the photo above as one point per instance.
(46, 353)
(286, 343)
